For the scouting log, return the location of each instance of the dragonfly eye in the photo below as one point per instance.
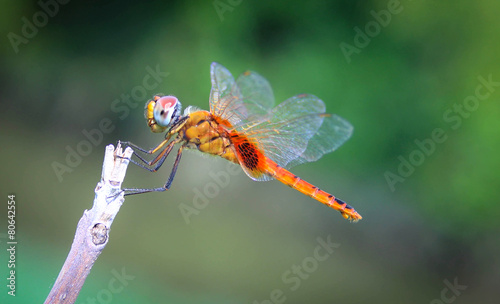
(167, 110)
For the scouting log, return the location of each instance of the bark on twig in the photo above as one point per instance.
(92, 232)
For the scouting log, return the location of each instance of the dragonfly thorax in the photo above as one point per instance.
(162, 111)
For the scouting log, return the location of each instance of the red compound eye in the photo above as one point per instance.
(167, 102)
(166, 110)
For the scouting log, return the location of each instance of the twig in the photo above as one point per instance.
(92, 232)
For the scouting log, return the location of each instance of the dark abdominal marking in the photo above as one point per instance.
(249, 155)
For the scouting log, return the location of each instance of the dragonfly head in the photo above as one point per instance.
(161, 112)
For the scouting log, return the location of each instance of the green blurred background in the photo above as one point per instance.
(434, 227)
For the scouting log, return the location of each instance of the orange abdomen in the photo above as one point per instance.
(308, 189)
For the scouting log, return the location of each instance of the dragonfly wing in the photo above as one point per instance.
(334, 132)
(256, 94)
(247, 98)
(222, 88)
(298, 131)
(294, 132)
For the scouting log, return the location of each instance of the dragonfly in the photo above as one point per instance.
(244, 127)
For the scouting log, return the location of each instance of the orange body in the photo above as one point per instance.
(202, 131)
(295, 182)
(210, 134)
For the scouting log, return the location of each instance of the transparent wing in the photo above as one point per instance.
(333, 133)
(247, 98)
(297, 131)
(294, 132)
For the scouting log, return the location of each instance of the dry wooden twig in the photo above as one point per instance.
(92, 232)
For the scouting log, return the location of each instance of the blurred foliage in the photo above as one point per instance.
(437, 224)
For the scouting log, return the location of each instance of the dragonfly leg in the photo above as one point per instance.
(133, 146)
(157, 162)
(152, 151)
(169, 181)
